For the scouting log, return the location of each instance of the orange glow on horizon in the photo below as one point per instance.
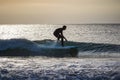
(59, 11)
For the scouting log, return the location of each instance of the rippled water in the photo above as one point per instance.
(49, 68)
(39, 68)
(79, 33)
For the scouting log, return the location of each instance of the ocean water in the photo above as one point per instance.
(99, 33)
(39, 68)
(90, 40)
(30, 52)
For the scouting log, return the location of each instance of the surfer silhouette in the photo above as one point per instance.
(58, 33)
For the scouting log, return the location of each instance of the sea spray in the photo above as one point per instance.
(42, 68)
(52, 48)
(55, 43)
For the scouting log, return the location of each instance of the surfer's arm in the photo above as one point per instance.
(65, 38)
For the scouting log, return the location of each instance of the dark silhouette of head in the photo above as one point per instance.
(64, 27)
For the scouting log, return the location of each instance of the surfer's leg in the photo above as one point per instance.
(58, 38)
(62, 41)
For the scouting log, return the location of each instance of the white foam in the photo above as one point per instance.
(59, 68)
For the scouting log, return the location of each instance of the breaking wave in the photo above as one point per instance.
(24, 47)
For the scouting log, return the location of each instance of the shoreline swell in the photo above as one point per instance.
(24, 47)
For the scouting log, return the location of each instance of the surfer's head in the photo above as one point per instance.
(64, 27)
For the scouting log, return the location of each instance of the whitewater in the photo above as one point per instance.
(30, 52)
(44, 68)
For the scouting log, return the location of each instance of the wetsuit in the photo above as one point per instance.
(58, 33)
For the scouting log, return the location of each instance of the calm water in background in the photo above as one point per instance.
(103, 33)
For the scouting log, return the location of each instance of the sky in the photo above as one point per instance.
(59, 11)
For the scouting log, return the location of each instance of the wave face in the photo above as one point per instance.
(24, 47)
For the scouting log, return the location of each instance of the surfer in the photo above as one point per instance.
(58, 33)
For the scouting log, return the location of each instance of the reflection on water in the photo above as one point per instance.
(79, 33)
(39, 68)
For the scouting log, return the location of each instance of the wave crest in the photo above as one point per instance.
(51, 48)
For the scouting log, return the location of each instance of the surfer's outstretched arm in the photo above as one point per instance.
(64, 38)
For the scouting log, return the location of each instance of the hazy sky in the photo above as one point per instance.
(59, 11)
